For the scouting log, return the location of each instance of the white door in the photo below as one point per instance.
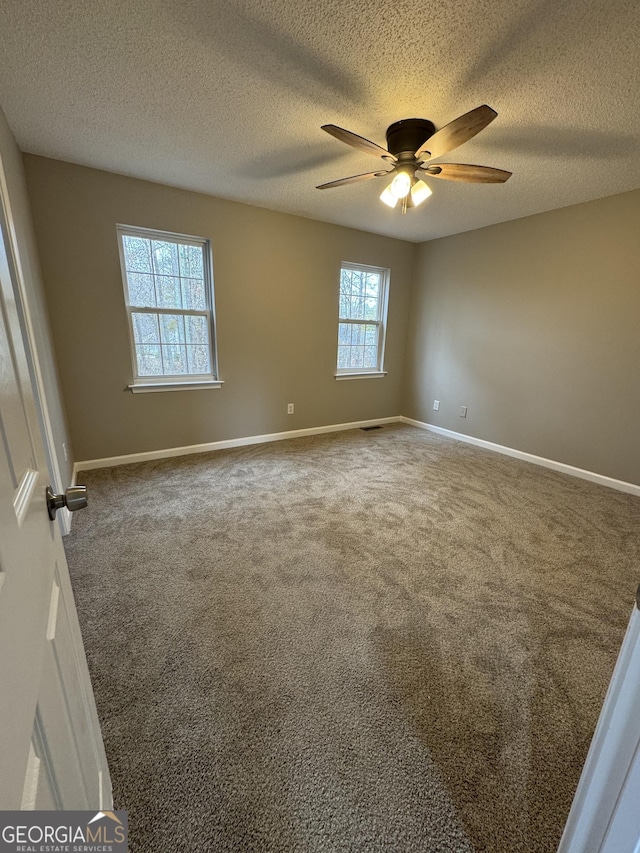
(51, 751)
(605, 815)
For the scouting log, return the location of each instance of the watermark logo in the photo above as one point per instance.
(63, 832)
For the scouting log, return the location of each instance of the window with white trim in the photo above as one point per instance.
(361, 320)
(168, 290)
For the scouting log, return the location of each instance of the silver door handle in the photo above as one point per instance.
(75, 497)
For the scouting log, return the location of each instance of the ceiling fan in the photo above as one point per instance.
(411, 144)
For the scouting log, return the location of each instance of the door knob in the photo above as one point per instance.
(75, 497)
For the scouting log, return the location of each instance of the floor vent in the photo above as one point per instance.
(366, 429)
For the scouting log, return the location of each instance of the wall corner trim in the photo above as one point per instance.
(601, 479)
(130, 458)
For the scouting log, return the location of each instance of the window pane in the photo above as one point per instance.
(141, 290)
(145, 328)
(345, 306)
(343, 357)
(357, 283)
(191, 265)
(137, 254)
(197, 331)
(357, 334)
(175, 359)
(357, 357)
(371, 335)
(344, 334)
(198, 359)
(373, 284)
(350, 310)
(149, 360)
(371, 357)
(356, 309)
(193, 295)
(165, 257)
(370, 309)
(168, 290)
(172, 328)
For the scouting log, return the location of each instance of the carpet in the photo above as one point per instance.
(364, 641)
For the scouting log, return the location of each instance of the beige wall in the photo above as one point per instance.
(276, 286)
(35, 298)
(535, 326)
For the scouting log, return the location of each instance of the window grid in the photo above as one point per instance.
(360, 322)
(167, 290)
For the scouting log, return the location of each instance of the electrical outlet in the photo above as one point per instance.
(290, 408)
(436, 404)
(463, 411)
(65, 451)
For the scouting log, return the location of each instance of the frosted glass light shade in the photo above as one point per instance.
(420, 192)
(400, 185)
(388, 197)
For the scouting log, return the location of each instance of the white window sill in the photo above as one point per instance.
(374, 374)
(145, 388)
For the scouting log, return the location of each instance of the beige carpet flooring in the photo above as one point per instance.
(365, 641)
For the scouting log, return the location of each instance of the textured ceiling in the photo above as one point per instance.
(228, 97)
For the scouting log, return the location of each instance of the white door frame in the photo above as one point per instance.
(605, 815)
(30, 343)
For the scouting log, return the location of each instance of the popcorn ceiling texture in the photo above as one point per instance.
(228, 98)
(379, 642)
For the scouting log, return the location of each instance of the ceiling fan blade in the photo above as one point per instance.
(356, 141)
(466, 173)
(459, 130)
(352, 180)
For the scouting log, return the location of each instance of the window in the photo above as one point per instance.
(168, 292)
(361, 321)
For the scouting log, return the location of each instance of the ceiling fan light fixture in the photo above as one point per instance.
(403, 186)
(388, 198)
(398, 189)
(412, 144)
(400, 186)
(420, 192)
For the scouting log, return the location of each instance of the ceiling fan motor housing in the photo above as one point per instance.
(408, 135)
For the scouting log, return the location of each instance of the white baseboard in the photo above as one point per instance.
(620, 485)
(128, 459)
